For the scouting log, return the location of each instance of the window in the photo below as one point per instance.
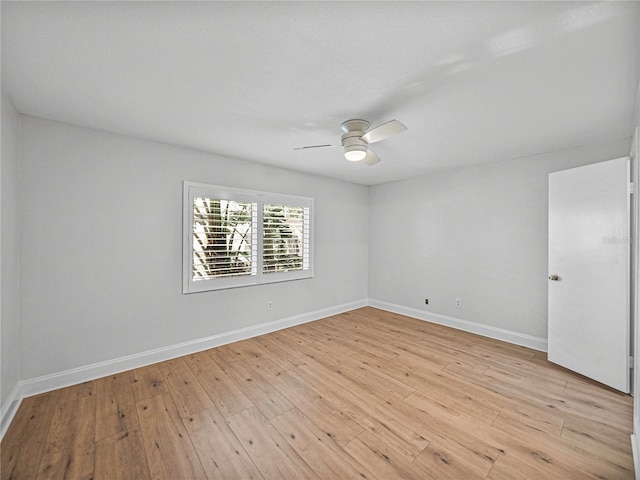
(235, 238)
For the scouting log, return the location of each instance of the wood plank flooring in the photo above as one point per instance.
(366, 394)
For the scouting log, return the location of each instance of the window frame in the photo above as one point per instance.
(192, 190)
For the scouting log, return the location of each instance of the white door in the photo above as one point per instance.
(589, 271)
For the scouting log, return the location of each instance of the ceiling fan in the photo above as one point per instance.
(357, 137)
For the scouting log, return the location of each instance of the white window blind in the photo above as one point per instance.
(222, 236)
(285, 238)
(235, 238)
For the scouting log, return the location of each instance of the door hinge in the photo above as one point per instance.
(630, 362)
(632, 187)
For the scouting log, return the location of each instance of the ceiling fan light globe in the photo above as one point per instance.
(355, 153)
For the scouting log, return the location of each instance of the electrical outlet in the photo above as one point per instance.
(270, 305)
(426, 301)
(458, 303)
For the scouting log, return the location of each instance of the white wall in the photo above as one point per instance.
(477, 233)
(101, 247)
(9, 227)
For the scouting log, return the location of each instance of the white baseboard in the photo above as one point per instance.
(9, 409)
(635, 447)
(485, 330)
(634, 451)
(47, 383)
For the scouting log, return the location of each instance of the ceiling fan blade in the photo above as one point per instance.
(315, 146)
(371, 158)
(383, 131)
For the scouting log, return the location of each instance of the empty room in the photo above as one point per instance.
(323, 240)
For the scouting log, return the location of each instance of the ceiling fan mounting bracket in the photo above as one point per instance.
(355, 125)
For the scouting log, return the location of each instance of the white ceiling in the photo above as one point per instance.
(474, 82)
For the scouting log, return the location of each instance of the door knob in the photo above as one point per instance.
(554, 277)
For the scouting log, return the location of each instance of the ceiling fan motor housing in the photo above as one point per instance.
(355, 148)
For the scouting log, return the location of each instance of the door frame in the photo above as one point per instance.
(634, 305)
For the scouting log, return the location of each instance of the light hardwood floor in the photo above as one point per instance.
(366, 394)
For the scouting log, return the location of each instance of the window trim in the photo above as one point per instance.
(194, 189)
